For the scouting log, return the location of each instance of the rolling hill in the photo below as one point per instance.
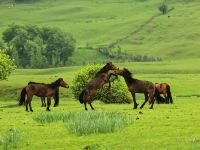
(134, 25)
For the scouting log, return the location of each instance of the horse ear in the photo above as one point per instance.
(109, 63)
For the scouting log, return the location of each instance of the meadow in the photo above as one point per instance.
(138, 28)
(165, 127)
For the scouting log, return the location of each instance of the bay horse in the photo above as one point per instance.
(56, 98)
(164, 88)
(102, 77)
(41, 90)
(138, 86)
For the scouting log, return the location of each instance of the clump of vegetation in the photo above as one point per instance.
(121, 56)
(163, 8)
(84, 123)
(35, 47)
(12, 139)
(6, 65)
(117, 94)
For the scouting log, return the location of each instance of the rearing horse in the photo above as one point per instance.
(138, 86)
(102, 77)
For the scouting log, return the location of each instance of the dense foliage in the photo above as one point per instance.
(35, 47)
(117, 94)
(6, 66)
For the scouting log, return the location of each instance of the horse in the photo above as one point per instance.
(138, 86)
(41, 90)
(164, 88)
(56, 100)
(101, 77)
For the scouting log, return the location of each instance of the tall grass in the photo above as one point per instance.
(12, 140)
(84, 123)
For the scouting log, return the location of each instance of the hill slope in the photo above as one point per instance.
(93, 23)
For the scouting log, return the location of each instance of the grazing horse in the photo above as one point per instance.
(138, 86)
(102, 77)
(41, 90)
(56, 100)
(164, 88)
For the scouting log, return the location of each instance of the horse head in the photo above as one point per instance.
(62, 83)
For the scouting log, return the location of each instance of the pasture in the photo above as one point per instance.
(165, 127)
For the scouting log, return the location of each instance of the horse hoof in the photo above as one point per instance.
(48, 110)
(151, 108)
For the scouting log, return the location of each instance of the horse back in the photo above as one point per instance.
(40, 90)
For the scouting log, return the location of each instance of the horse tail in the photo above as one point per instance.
(56, 98)
(169, 95)
(22, 96)
(81, 97)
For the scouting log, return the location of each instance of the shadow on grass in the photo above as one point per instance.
(9, 106)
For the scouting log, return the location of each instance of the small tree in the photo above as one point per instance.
(6, 65)
(117, 94)
(163, 8)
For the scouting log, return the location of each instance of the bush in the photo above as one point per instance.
(6, 66)
(84, 123)
(117, 94)
(163, 8)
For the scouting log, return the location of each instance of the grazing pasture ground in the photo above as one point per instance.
(165, 127)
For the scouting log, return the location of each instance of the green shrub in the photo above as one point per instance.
(117, 94)
(6, 66)
(163, 8)
(84, 123)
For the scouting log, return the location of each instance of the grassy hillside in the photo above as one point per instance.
(95, 23)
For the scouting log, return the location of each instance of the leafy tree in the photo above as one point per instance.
(6, 66)
(35, 47)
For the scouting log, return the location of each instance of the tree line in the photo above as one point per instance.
(38, 47)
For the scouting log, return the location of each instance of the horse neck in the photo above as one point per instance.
(103, 70)
(128, 79)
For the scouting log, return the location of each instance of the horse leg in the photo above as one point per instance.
(26, 105)
(48, 103)
(134, 101)
(152, 99)
(85, 105)
(146, 99)
(44, 101)
(166, 99)
(90, 102)
(30, 105)
(28, 102)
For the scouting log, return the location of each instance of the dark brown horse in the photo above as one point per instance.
(102, 77)
(56, 98)
(138, 86)
(41, 90)
(164, 88)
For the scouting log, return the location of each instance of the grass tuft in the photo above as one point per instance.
(84, 123)
(12, 140)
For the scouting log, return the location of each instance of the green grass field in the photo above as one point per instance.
(165, 127)
(173, 37)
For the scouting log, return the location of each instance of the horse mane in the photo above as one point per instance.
(55, 84)
(128, 76)
(104, 69)
(31, 82)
